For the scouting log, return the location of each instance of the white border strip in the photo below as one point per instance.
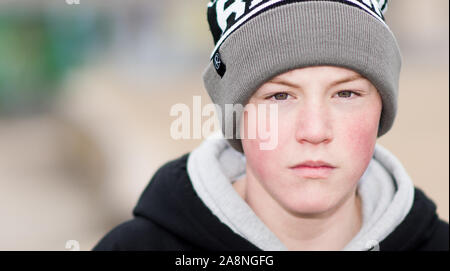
(256, 10)
(368, 10)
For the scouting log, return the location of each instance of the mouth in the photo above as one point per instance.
(313, 169)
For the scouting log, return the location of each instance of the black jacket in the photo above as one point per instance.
(170, 216)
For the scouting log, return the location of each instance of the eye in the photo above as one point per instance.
(347, 93)
(280, 96)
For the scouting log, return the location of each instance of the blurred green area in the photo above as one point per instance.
(38, 47)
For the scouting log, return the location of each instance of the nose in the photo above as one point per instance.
(313, 124)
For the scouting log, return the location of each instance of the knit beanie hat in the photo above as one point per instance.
(256, 40)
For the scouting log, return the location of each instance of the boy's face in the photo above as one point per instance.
(325, 113)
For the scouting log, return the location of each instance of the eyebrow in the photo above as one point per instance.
(341, 81)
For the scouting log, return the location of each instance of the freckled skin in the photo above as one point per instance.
(313, 126)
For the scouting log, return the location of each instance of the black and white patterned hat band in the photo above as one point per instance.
(256, 40)
(225, 16)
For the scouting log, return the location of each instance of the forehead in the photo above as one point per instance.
(316, 76)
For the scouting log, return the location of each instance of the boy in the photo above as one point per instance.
(330, 70)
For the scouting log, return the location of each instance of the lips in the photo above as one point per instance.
(311, 163)
(313, 169)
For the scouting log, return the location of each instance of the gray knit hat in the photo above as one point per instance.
(256, 40)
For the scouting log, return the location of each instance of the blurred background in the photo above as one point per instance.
(85, 95)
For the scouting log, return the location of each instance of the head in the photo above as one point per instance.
(310, 46)
(325, 113)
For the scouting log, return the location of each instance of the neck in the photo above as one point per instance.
(330, 230)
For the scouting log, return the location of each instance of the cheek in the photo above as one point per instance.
(359, 136)
(262, 163)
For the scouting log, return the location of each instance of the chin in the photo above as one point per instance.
(309, 204)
